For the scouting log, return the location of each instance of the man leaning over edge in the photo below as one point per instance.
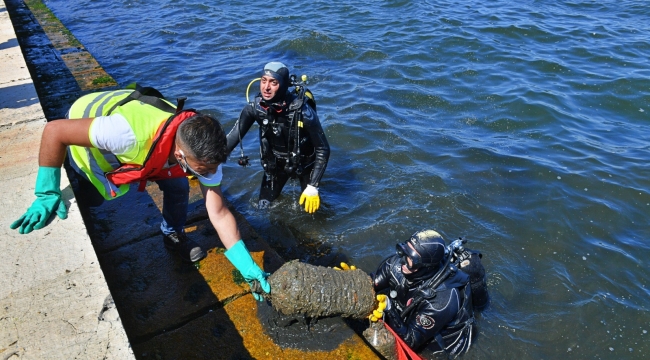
(113, 141)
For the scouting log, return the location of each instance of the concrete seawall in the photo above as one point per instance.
(52, 289)
(100, 285)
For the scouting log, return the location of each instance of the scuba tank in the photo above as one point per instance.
(469, 261)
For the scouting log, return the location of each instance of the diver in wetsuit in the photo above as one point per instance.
(292, 141)
(429, 299)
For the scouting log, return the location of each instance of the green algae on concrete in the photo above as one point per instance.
(49, 21)
(104, 79)
(83, 66)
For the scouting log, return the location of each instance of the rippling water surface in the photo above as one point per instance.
(522, 125)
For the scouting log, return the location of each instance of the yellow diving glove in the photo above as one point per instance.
(345, 267)
(383, 304)
(310, 198)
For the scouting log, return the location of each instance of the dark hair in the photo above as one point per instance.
(205, 138)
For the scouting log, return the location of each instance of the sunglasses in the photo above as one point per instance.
(188, 169)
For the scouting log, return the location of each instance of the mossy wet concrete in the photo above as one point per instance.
(175, 310)
(62, 68)
(232, 333)
(169, 309)
(83, 66)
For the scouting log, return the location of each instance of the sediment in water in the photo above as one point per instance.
(317, 291)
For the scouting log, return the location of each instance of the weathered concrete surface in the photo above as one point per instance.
(156, 291)
(83, 66)
(112, 224)
(52, 290)
(18, 100)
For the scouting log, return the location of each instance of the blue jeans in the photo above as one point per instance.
(176, 194)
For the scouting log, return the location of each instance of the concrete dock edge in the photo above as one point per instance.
(54, 300)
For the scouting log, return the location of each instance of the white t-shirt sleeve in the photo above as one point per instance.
(112, 133)
(212, 179)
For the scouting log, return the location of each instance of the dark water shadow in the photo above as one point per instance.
(292, 243)
(292, 232)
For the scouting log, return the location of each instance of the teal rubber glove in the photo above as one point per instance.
(240, 257)
(48, 200)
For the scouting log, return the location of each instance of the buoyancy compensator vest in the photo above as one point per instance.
(469, 262)
(281, 141)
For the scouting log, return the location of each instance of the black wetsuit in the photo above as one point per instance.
(441, 316)
(282, 158)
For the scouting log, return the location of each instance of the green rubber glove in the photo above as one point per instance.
(48, 200)
(240, 257)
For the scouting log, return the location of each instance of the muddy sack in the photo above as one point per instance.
(317, 291)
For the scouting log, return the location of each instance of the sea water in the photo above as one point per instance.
(522, 126)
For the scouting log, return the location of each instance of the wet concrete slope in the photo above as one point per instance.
(169, 309)
(174, 310)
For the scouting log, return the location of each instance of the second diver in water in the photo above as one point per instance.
(292, 141)
(428, 293)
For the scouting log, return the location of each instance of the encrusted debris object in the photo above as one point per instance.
(318, 291)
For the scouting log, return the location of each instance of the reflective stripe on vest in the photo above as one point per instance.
(94, 163)
(99, 103)
(145, 121)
